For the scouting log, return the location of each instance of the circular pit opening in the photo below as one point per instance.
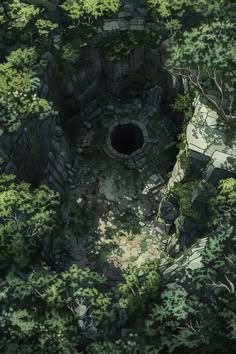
(127, 138)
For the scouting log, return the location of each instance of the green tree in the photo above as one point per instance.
(26, 216)
(20, 14)
(128, 345)
(174, 13)
(140, 284)
(44, 27)
(223, 205)
(19, 90)
(205, 56)
(49, 312)
(24, 59)
(27, 20)
(78, 10)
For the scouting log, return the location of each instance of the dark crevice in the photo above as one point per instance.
(127, 138)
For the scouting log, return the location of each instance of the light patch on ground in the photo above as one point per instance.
(122, 248)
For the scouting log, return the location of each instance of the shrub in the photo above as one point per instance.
(26, 216)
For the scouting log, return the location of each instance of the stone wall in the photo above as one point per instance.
(98, 76)
(80, 87)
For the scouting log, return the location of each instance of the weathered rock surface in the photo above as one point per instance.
(168, 211)
(209, 146)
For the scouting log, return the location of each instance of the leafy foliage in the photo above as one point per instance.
(52, 312)
(184, 193)
(129, 346)
(119, 46)
(19, 90)
(83, 283)
(21, 14)
(74, 311)
(174, 13)
(199, 313)
(44, 27)
(183, 104)
(224, 204)
(70, 54)
(140, 283)
(26, 217)
(23, 59)
(78, 10)
(27, 21)
(205, 56)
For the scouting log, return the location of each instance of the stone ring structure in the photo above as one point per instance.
(126, 138)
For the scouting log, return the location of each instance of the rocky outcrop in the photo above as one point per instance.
(38, 153)
(99, 75)
(211, 147)
(189, 261)
(212, 151)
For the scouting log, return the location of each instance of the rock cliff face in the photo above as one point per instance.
(212, 152)
(104, 74)
(211, 147)
(39, 152)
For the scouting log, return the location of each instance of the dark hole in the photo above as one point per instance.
(127, 138)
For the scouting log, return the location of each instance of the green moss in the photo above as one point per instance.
(184, 192)
(183, 104)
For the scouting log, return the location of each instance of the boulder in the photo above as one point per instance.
(168, 211)
(187, 230)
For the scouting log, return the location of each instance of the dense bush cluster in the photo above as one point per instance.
(19, 89)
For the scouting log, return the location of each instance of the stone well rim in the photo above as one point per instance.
(123, 156)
